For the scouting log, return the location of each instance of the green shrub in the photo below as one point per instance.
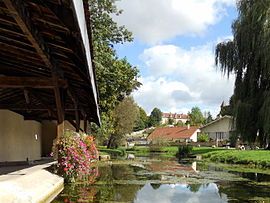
(203, 137)
(233, 139)
(114, 152)
(184, 150)
(160, 142)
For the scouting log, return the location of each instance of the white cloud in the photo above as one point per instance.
(180, 193)
(181, 79)
(154, 21)
(158, 92)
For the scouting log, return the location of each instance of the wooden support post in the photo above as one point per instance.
(60, 129)
(59, 106)
(74, 124)
(77, 118)
(85, 124)
(77, 113)
(26, 96)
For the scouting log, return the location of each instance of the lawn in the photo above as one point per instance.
(258, 158)
(204, 150)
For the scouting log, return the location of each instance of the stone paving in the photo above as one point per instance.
(29, 184)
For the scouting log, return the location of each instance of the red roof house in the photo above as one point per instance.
(185, 133)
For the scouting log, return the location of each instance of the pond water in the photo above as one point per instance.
(147, 180)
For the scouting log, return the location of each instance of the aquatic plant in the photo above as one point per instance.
(76, 153)
(184, 150)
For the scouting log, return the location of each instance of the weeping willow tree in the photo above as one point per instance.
(248, 57)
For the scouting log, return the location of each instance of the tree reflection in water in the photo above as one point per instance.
(131, 182)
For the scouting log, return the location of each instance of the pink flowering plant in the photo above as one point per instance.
(76, 154)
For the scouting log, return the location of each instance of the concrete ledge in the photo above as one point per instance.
(33, 187)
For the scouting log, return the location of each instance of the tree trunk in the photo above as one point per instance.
(109, 142)
(267, 146)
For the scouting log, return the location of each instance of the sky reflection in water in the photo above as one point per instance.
(171, 193)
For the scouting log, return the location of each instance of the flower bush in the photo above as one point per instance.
(76, 153)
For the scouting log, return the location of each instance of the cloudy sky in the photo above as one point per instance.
(174, 42)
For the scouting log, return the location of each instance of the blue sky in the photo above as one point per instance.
(173, 48)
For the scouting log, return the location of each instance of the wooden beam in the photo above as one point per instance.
(66, 18)
(74, 124)
(26, 96)
(12, 108)
(30, 82)
(21, 16)
(58, 98)
(51, 111)
(77, 117)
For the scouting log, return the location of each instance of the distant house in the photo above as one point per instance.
(175, 134)
(175, 117)
(219, 129)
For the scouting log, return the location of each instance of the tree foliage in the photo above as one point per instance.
(247, 56)
(125, 115)
(155, 117)
(116, 78)
(196, 117)
(170, 121)
(142, 120)
(179, 124)
(207, 117)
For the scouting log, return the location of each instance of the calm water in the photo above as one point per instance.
(167, 181)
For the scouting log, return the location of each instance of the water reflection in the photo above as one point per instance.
(172, 193)
(151, 181)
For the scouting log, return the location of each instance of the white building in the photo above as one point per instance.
(175, 117)
(219, 129)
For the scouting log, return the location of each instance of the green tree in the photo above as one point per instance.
(196, 116)
(208, 117)
(116, 78)
(170, 121)
(125, 115)
(179, 124)
(155, 117)
(141, 121)
(248, 57)
(226, 109)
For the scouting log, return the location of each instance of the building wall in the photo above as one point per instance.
(49, 133)
(222, 126)
(214, 135)
(166, 120)
(194, 137)
(19, 139)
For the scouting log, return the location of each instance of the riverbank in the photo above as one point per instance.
(254, 158)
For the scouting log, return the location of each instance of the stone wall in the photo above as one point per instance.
(19, 139)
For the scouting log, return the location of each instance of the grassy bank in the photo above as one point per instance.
(257, 158)
(113, 152)
(204, 150)
(164, 151)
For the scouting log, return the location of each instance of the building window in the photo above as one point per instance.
(220, 135)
